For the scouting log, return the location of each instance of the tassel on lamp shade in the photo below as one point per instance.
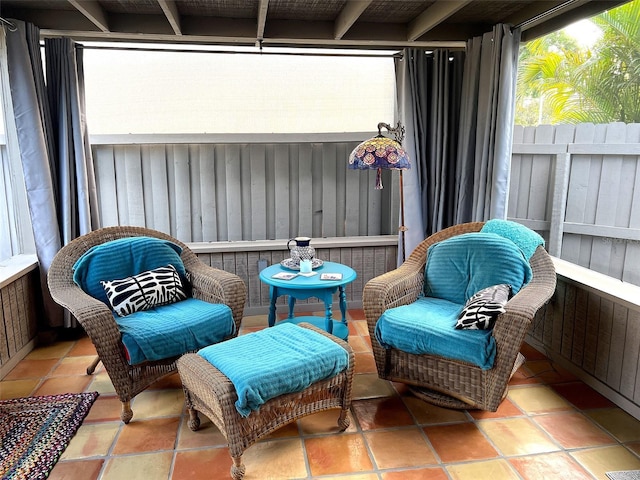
(386, 153)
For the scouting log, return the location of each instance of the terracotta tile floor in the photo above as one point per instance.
(551, 426)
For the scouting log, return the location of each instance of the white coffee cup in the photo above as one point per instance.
(305, 266)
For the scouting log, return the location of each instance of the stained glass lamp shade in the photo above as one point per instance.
(380, 153)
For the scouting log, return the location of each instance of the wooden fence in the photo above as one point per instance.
(579, 185)
(200, 189)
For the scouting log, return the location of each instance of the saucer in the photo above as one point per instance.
(288, 263)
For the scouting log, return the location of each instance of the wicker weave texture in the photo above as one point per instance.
(209, 391)
(458, 384)
(208, 284)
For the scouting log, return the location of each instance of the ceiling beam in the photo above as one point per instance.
(348, 16)
(171, 12)
(262, 19)
(432, 16)
(93, 11)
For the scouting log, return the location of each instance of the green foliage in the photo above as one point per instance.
(562, 82)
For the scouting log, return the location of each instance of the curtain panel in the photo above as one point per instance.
(457, 108)
(54, 146)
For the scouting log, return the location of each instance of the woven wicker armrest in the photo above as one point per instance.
(217, 286)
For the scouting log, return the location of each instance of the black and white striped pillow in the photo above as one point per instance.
(482, 309)
(146, 290)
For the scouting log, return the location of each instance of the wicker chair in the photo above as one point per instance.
(207, 283)
(442, 381)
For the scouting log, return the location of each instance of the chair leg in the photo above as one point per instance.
(127, 414)
(194, 420)
(92, 368)
(237, 469)
(343, 420)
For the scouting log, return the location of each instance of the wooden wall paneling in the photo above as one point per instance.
(179, 161)
(217, 261)
(579, 326)
(234, 196)
(252, 279)
(282, 197)
(195, 190)
(539, 190)
(352, 220)
(630, 382)
(246, 217)
(329, 190)
(317, 193)
(22, 320)
(341, 187)
(604, 339)
(106, 184)
(305, 190)
(208, 188)
(4, 325)
(133, 193)
(295, 194)
(616, 353)
(558, 317)
(602, 253)
(221, 192)
(591, 334)
(159, 193)
(258, 188)
(147, 186)
(568, 320)
(11, 312)
(549, 317)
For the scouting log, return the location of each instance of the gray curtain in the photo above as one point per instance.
(458, 112)
(429, 86)
(53, 144)
(486, 126)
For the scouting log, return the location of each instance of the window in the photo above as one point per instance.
(151, 91)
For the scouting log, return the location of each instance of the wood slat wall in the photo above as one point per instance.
(227, 192)
(18, 316)
(596, 336)
(579, 185)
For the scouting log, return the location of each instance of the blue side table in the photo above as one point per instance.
(301, 288)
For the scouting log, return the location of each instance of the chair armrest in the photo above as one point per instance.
(97, 321)
(392, 289)
(217, 286)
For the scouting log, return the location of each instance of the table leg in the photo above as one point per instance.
(343, 303)
(328, 314)
(273, 295)
(292, 304)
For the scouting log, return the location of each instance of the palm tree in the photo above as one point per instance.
(599, 85)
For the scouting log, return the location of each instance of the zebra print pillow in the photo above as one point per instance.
(146, 290)
(482, 309)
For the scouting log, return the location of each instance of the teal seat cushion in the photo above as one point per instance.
(525, 238)
(283, 359)
(122, 258)
(427, 326)
(462, 265)
(170, 330)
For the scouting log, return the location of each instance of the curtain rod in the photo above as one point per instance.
(181, 50)
(9, 24)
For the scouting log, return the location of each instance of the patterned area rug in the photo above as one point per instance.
(36, 430)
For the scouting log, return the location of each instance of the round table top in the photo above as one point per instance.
(313, 282)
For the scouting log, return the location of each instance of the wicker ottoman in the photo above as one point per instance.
(209, 391)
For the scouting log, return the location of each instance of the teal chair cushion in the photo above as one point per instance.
(427, 326)
(122, 258)
(462, 265)
(525, 238)
(174, 329)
